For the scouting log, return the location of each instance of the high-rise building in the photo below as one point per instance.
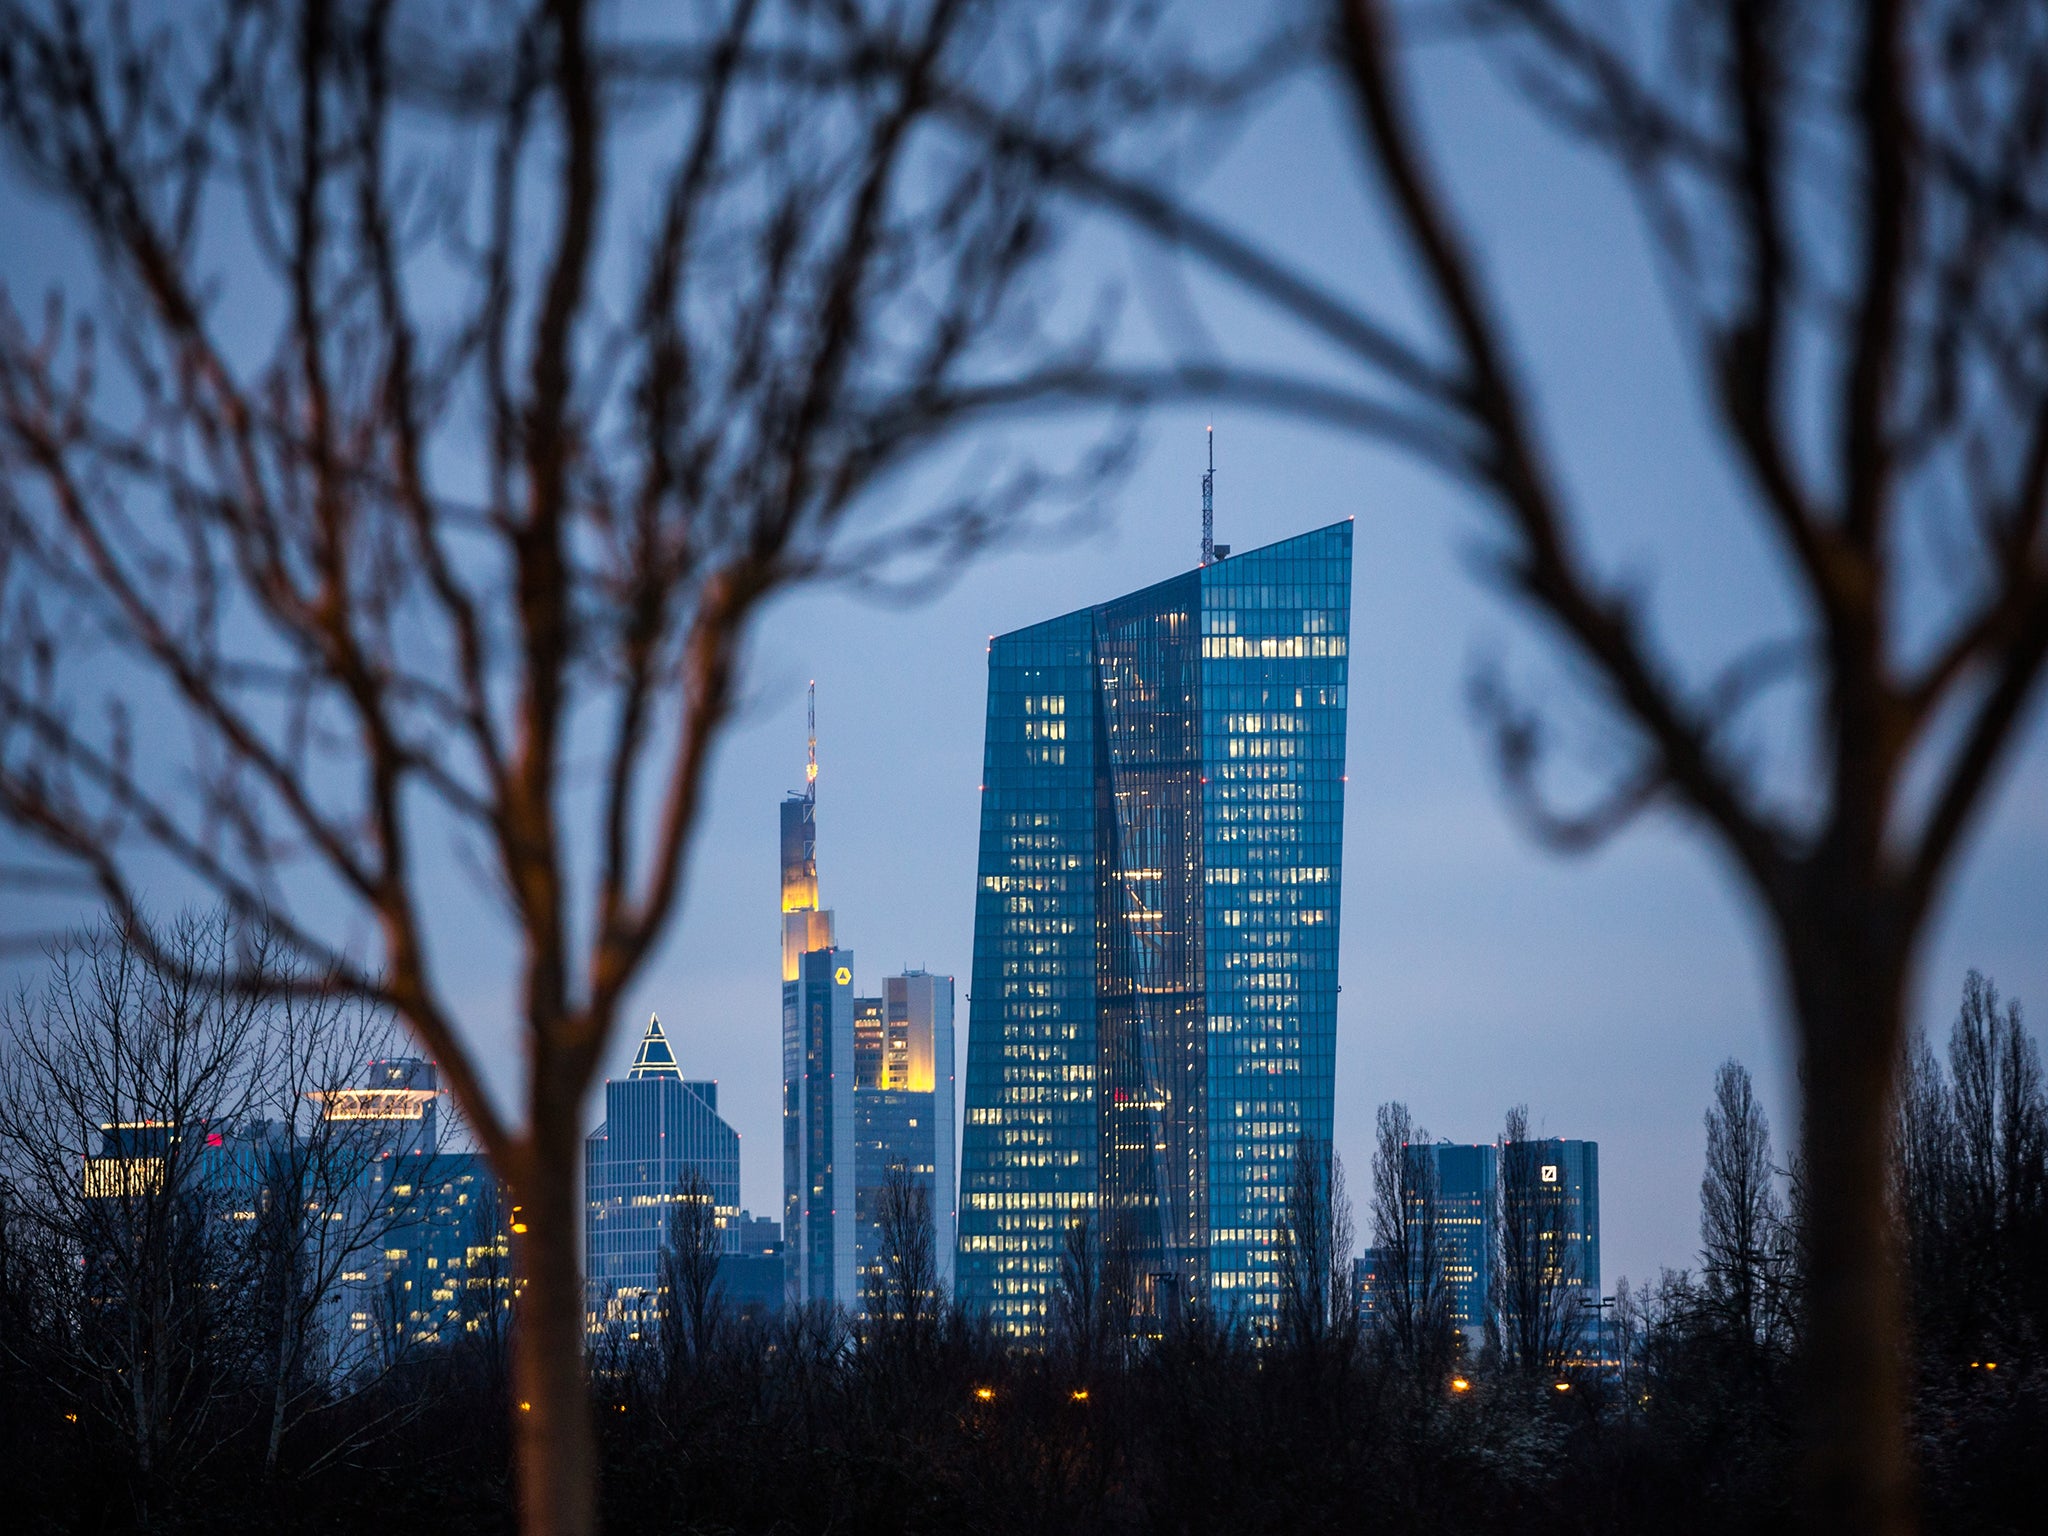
(1459, 1183)
(1368, 1287)
(903, 1111)
(818, 1065)
(661, 1134)
(441, 1265)
(1154, 1001)
(1559, 1181)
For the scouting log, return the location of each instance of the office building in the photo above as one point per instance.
(1559, 1182)
(662, 1135)
(818, 1050)
(1368, 1281)
(752, 1273)
(1459, 1184)
(1153, 1008)
(903, 1113)
(440, 1266)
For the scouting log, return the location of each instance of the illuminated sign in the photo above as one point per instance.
(375, 1103)
(843, 976)
(1550, 1173)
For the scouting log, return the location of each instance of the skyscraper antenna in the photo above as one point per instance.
(811, 767)
(1209, 503)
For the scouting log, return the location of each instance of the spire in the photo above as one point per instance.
(655, 1058)
(1209, 504)
(811, 767)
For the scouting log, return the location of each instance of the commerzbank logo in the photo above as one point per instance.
(844, 977)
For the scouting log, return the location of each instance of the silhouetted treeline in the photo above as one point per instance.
(1677, 1419)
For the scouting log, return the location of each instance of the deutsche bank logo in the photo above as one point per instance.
(1550, 1173)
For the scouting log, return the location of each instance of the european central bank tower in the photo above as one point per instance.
(1152, 1025)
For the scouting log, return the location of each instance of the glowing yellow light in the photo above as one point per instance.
(1460, 1384)
(1564, 1386)
(1080, 1394)
(70, 1418)
(1990, 1365)
(843, 976)
(374, 1103)
(518, 1226)
(526, 1407)
(986, 1394)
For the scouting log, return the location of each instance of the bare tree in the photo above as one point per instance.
(1743, 1241)
(1315, 1241)
(1537, 1320)
(311, 1169)
(1079, 1325)
(1972, 1184)
(693, 1299)
(122, 1093)
(903, 1303)
(548, 355)
(1411, 1296)
(1850, 205)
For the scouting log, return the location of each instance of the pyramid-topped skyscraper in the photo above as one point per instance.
(661, 1133)
(655, 1059)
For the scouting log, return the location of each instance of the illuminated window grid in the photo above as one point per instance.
(1268, 663)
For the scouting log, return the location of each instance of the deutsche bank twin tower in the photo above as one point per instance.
(1154, 1006)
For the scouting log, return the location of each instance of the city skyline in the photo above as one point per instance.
(1597, 957)
(1484, 970)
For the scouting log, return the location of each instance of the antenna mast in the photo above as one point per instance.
(811, 767)
(1209, 504)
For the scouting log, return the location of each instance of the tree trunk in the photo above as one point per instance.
(1849, 993)
(554, 1440)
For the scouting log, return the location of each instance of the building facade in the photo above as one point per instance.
(441, 1267)
(1456, 1188)
(1153, 1008)
(903, 1113)
(661, 1134)
(1557, 1180)
(819, 1053)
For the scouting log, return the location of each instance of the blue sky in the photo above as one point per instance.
(1478, 971)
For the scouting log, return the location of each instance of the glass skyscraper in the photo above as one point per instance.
(903, 1111)
(1565, 1197)
(659, 1129)
(1459, 1184)
(1152, 1022)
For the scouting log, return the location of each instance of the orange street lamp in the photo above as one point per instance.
(1460, 1384)
(1564, 1386)
(986, 1394)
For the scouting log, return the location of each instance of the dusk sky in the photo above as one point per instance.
(1478, 971)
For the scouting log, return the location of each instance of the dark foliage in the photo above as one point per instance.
(816, 1422)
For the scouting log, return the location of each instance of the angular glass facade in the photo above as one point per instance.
(658, 1130)
(1152, 1026)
